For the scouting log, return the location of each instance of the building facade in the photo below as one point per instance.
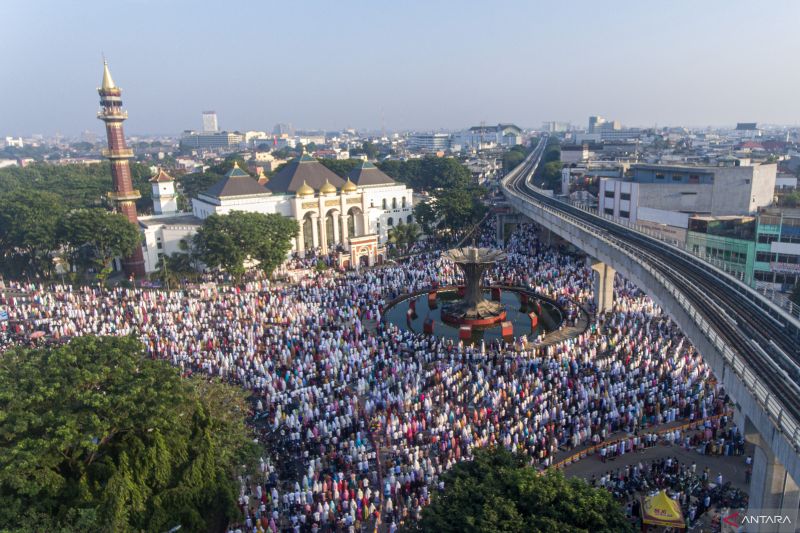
(210, 122)
(728, 242)
(429, 142)
(211, 141)
(353, 214)
(777, 261)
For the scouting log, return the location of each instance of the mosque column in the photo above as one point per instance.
(364, 223)
(323, 235)
(315, 230)
(345, 229)
(299, 242)
(335, 224)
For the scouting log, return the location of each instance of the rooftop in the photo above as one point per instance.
(183, 219)
(304, 169)
(236, 182)
(369, 174)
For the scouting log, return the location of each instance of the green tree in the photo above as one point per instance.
(96, 436)
(81, 146)
(459, 208)
(426, 215)
(551, 174)
(196, 182)
(29, 231)
(404, 235)
(223, 168)
(497, 492)
(77, 186)
(170, 269)
(791, 199)
(370, 149)
(94, 237)
(429, 173)
(340, 167)
(227, 241)
(514, 157)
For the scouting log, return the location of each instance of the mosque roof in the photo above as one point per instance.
(303, 169)
(369, 174)
(108, 81)
(236, 182)
(161, 177)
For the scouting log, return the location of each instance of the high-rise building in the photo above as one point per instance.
(123, 195)
(594, 123)
(429, 142)
(210, 122)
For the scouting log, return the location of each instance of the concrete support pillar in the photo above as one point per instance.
(603, 285)
(547, 236)
(364, 224)
(772, 490)
(345, 229)
(299, 244)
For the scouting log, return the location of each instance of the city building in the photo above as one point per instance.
(665, 196)
(555, 127)
(598, 124)
(14, 142)
(123, 195)
(210, 122)
(728, 242)
(747, 130)
(211, 141)
(574, 153)
(429, 142)
(488, 136)
(777, 261)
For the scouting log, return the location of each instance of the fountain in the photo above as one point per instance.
(473, 309)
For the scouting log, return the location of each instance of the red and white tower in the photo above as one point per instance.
(124, 195)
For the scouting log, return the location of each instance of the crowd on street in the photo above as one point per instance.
(360, 419)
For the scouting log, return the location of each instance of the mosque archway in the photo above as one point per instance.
(308, 231)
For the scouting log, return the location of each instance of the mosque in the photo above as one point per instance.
(355, 213)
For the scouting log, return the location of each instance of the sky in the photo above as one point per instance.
(403, 65)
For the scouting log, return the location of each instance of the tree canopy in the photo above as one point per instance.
(95, 236)
(497, 492)
(98, 437)
(404, 235)
(428, 173)
(227, 241)
(451, 209)
(29, 231)
(76, 185)
(514, 156)
(548, 174)
(340, 167)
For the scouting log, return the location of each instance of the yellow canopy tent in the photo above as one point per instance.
(661, 510)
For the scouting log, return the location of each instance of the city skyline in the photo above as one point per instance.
(401, 67)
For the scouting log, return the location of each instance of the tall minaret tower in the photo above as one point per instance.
(124, 195)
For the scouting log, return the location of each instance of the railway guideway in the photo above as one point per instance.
(767, 398)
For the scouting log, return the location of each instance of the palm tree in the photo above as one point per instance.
(405, 235)
(412, 232)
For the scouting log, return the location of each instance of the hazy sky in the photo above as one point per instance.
(409, 64)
